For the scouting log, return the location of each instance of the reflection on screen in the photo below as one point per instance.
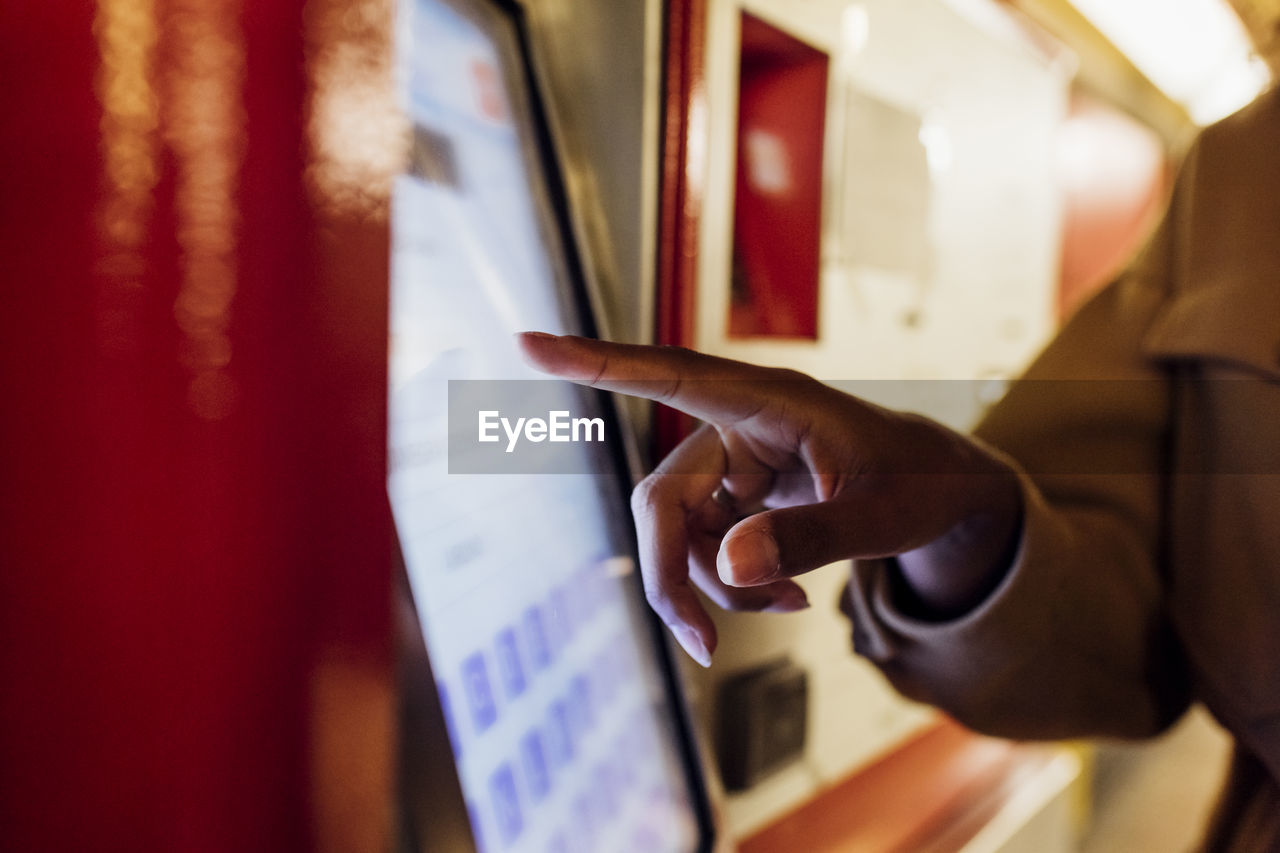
(561, 729)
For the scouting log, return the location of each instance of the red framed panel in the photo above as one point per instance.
(777, 205)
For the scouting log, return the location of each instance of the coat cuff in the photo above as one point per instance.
(1013, 623)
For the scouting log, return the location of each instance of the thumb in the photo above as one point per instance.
(780, 543)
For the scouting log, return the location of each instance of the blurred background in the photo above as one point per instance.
(196, 649)
(983, 168)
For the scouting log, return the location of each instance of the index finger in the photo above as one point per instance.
(689, 381)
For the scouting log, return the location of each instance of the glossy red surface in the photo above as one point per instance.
(684, 102)
(777, 204)
(194, 582)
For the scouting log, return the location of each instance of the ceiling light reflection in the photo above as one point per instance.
(1196, 51)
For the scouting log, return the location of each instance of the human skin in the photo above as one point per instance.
(830, 477)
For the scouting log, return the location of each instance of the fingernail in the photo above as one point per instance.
(692, 643)
(748, 559)
(540, 335)
(789, 600)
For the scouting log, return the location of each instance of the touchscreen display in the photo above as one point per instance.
(562, 728)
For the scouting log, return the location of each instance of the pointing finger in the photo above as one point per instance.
(717, 390)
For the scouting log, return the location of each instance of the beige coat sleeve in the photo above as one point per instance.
(1075, 640)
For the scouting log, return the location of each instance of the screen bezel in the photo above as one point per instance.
(423, 732)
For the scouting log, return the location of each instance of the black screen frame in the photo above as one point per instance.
(432, 814)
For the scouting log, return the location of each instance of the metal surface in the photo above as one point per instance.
(598, 62)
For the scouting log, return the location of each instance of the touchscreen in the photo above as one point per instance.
(562, 729)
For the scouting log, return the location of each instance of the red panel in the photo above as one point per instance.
(778, 205)
(193, 536)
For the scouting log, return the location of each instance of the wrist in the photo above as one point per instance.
(959, 570)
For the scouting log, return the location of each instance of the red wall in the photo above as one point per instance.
(193, 542)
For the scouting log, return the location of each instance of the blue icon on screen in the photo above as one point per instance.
(583, 711)
(506, 805)
(475, 681)
(534, 758)
(560, 735)
(509, 666)
(535, 632)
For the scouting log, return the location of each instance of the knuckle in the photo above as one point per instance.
(644, 496)
(659, 597)
(794, 392)
(791, 380)
(672, 391)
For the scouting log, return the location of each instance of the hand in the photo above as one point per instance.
(835, 477)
